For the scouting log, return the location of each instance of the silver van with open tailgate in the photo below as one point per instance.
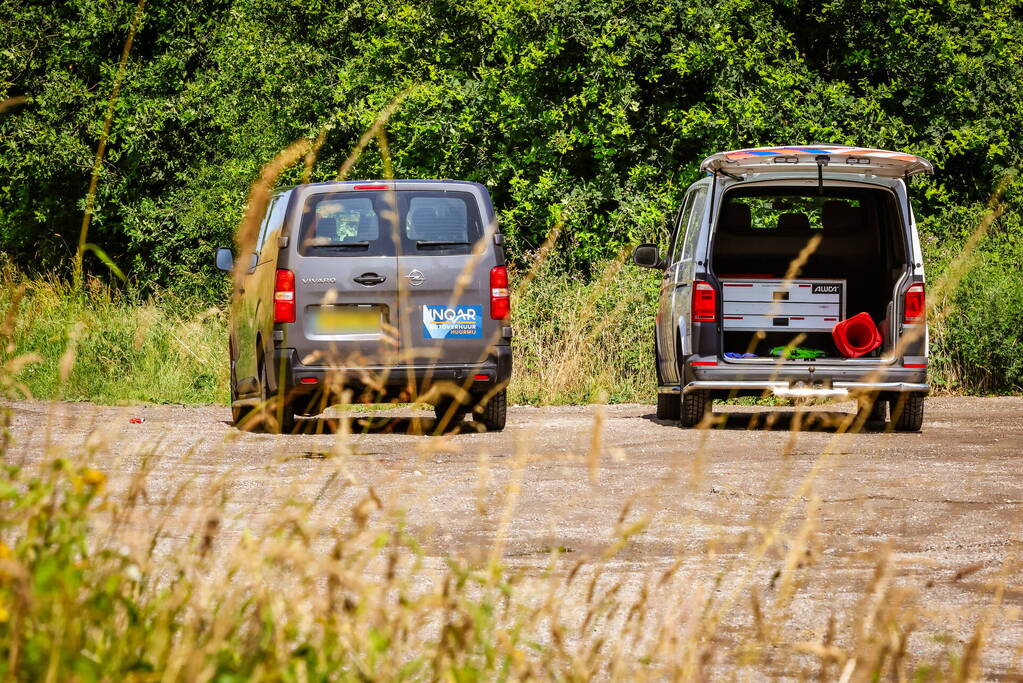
(794, 272)
(372, 291)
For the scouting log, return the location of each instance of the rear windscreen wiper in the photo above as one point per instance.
(440, 243)
(343, 245)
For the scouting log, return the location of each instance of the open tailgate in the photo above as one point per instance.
(877, 162)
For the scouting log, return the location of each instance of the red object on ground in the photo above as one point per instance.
(856, 336)
(137, 420)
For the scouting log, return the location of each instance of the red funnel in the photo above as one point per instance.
(856, 336)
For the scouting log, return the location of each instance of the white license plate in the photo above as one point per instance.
(343, 320)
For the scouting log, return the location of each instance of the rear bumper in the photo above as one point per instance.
(390, 382)
(837, 390)
(803, 380)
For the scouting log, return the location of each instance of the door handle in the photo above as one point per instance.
(369, 279)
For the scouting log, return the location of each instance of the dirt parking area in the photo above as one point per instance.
(943, 506)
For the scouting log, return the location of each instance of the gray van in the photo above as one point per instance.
(771, 250)
(371, 291)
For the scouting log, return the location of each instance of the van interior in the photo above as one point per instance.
(762, 230)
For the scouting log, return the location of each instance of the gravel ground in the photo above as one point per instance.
(945, 503)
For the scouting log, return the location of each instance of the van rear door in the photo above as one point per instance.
(346, 279)
(444, 290)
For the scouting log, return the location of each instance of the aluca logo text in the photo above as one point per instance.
(826, 289)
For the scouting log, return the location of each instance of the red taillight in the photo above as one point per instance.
(914, 310)
(500, 302)
(705, 302)
(284, 296)
(374, 186)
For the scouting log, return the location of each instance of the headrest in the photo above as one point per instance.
(736, 217)
(794, 222)
(838, 216)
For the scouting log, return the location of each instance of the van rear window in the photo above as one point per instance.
(388, 223)
(437, 219)
(790, 212)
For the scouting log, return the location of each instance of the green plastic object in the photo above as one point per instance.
(796, 352)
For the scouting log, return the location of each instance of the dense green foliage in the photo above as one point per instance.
(104, 345)
(589, 114)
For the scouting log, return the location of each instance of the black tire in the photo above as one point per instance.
(908, 412)
(449, 412)
(879, 413)
(669, 406)
(492, 412)
(876, 409)
(694, 407)
(308, 406)
(278, 412)
(239, 414)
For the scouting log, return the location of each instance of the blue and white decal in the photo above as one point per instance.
(452, 322)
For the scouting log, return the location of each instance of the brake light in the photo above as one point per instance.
(374, 186)
(500, 301)
(914, 308)
(284, 296)
(705, 302)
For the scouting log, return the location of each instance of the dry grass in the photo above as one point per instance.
(101, 344)
(127, 579)
(584, 341)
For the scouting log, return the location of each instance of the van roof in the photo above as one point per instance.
(281, 189)
(840, 158)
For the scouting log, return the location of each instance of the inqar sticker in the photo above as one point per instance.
(452, 322)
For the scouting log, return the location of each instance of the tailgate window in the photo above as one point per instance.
(363, 223)
(344, 224)
(439, 222)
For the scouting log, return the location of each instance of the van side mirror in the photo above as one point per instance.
(646, 255)
(225, 259)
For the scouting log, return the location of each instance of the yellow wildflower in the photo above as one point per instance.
(94, 478)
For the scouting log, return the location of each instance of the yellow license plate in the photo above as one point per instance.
(347, 320)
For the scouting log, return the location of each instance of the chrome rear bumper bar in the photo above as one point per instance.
(797, 390)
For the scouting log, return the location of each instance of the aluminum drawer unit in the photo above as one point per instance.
(781, 305)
